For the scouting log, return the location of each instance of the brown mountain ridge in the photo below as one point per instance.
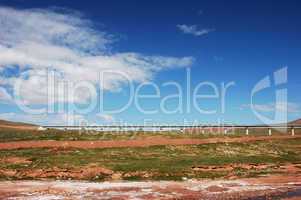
(17, 125)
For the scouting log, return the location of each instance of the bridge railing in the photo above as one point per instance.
(183, 128)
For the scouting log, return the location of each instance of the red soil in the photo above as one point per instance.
(134, 143)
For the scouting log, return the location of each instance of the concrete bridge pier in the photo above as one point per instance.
(293, 131)
(247, 131)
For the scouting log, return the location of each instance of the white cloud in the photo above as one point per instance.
(4, 95)
(7, 116)
(36, 41)
(289, 107)
(106, 117)
(193, 30)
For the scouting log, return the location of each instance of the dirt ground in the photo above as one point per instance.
(134, 143)
(90, 171)
(273, 187)
(285, 185)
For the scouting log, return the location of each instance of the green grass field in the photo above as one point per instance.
(161, 162)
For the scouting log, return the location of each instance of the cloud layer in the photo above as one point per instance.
(34, 42)
(106, 117)
(193, 30)
(4, 95)
(288, 107)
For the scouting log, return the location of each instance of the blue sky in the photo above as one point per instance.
(218, 41)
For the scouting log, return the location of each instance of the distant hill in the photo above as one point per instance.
(295, 122)
(17, 125)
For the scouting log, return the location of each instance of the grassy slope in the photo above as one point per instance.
(163, 162)
(18, 135)
(10, 123)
